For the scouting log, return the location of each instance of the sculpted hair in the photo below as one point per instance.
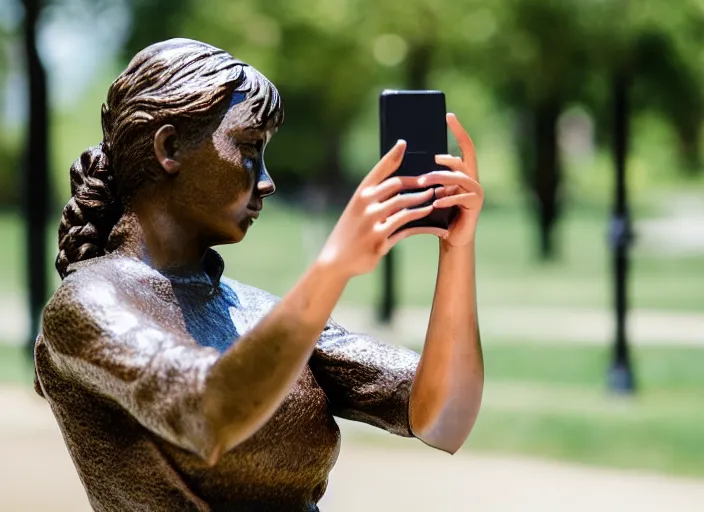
(182, 82)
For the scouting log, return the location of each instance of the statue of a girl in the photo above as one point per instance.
(177, 389)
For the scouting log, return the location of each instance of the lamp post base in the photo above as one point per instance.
(621, 379)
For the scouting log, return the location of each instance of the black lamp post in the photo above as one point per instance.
(620, 373)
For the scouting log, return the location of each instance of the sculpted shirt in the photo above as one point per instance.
(124, 401)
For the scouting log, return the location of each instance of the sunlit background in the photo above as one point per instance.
(546, 88)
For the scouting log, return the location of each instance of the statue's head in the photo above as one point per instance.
(184, 126)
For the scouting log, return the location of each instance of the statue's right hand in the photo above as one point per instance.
(367, 229)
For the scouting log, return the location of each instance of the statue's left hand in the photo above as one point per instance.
(458, 187)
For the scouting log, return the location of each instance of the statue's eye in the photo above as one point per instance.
(249, 163)
(251, 153)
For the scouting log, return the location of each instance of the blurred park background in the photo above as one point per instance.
(555, 93)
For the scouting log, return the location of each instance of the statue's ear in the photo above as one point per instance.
(166, 145)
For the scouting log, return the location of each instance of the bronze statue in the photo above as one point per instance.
(178, 389)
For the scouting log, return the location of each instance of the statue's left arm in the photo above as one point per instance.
(447, 390)
(435, 397)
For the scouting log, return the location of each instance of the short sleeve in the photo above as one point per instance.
(364, 379)
(102, 343)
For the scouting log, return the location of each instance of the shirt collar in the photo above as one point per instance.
(209, 278)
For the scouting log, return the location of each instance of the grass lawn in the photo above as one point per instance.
(284, 241)
(14, 367)
(274, 255)
(543, 401)
(551, 402)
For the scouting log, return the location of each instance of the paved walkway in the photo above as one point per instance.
(37, 474)
(538, 325)
(543, 325)
(424, 480)
(679, 231)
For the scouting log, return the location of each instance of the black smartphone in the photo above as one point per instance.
(418, 117)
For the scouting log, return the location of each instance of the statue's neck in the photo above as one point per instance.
(155, 238)
(127, 237)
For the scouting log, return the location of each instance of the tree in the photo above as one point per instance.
(36, 184)
(536, 61)
(661, 49)
(310, 51)
(10, 42)
(651, 66)
(540, 56)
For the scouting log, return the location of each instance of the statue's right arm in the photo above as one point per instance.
(190, 395)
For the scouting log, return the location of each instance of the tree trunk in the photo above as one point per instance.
(332, 178)
(418, 61)
(546, 176)
(36, 184)
(690, 149)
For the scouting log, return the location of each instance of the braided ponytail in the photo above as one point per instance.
(91, 213)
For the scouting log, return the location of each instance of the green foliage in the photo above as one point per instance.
(153, 21)
(310, 50)
(660, 47)
(10, 136)
(494, 59)
(539, 50)
(10, 162)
